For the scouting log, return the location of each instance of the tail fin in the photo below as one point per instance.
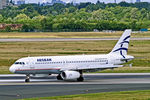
(121, 48)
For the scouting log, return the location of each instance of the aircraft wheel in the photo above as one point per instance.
(80, 79)
(59, 77)
(27, 80)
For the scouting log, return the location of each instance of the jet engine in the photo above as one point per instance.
(69, 75)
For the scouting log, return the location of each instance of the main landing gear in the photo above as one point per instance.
(59, 77)
(27, 78)
(80, 79)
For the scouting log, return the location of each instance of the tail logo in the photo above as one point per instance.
(121, 46)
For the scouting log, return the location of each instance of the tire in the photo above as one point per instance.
(59, 77)
(27, 80)
(80, 79)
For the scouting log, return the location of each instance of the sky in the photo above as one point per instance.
(94, 1)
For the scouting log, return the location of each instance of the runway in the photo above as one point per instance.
(61, 39)
(13, 87)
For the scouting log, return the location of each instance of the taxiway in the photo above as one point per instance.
(61, 39)
(13, 86)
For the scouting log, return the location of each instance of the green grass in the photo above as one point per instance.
(125, 95)
(11, 51)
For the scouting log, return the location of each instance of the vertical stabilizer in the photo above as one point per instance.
(121, 48)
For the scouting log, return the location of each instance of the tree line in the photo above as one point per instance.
(81, 17)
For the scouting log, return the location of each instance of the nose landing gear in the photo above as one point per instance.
(27, 78)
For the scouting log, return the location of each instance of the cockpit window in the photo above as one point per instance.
(19, 63)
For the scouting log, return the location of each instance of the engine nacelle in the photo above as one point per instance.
(69, 75)
(41, 75)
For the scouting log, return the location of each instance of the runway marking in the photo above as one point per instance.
(98, 78)
(108, 81)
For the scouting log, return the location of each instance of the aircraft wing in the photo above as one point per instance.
(107, 66)
(100, 66)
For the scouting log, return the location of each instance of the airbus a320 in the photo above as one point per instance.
(72, 67)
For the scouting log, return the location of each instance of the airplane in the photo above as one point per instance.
(71, 67)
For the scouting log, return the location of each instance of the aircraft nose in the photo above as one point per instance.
(12, 69)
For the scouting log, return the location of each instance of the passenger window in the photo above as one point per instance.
(23, 63)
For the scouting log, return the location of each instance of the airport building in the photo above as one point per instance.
(57, 1)
(20, 2)
(138, 0)
(3, 3)
(44, 3)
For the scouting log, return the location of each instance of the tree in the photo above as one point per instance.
(103, 15)
(133, 24)
(47, 23)
(8, 20)
(21, 18)
(30, 11)
(72, 9)
(84, 16)
(36, 22)
(8, 29)
(1, 18)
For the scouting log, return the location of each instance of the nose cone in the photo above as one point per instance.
(12, 69)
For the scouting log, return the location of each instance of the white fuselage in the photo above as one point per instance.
(54, 64)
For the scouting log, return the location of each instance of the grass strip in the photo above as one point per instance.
(124, 95)
(11, 51)
(68, 34)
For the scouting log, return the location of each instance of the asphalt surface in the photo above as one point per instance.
(61, 39)
(13, 87)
